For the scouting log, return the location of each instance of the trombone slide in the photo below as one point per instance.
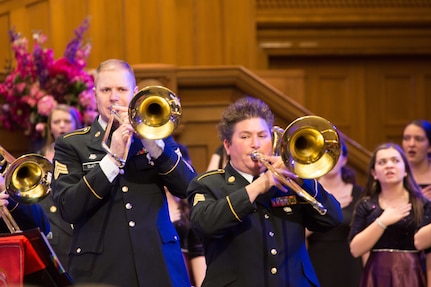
(9, 220)
(290, 183)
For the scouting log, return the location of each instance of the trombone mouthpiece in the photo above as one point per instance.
(254, 156)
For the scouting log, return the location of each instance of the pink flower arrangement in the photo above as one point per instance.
(39, 82)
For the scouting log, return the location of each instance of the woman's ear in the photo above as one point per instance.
(226, 146)
(343, 160)
(373, 173)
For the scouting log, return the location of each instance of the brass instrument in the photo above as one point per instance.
(154, 113)
(309, 147)
(27, 181)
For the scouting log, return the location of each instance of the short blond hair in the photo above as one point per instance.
(116, 64)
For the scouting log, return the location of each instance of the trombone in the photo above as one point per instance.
(154, 113)
(27, 180)
(309, 147)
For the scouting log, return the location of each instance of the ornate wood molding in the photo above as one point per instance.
(296, 4)
(344, 27)
(343, 13)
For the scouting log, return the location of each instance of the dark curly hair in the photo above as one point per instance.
(242, 109)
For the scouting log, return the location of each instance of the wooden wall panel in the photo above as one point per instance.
(208, 33)
(134, 28)
(187, 32)
(5, 50)
(396, 94)
(150, 31)
(202, 109)
(289, 82)
(239, 32)
(333, 90)
(38, 16)
(65, 17)
(369, 99)
(107, 29)
(19, 21)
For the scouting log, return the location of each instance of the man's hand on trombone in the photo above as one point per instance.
(122, 135)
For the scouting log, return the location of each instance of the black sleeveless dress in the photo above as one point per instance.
(330, 252)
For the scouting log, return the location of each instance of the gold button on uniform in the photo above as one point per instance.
(128, 205)
(274, 270)
(125, 189)
(274, 251)
(132, 223)
(78, 250)
(53, 209)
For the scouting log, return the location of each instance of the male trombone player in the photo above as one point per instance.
(122, 233)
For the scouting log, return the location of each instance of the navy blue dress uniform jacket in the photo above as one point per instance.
(122, 233)
(260, 244)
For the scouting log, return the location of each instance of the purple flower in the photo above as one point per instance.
(39, 82)
(74, 45)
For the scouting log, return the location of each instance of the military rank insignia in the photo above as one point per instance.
(60, 168)
(198, 197)
(283, 201)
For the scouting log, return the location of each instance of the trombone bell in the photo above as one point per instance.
(307, 145)
(28, 178)
(310, 146)
(154, 112)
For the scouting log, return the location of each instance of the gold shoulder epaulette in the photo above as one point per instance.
(78, 132)
(217, 171)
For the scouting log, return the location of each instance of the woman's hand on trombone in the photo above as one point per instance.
(277, 174)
